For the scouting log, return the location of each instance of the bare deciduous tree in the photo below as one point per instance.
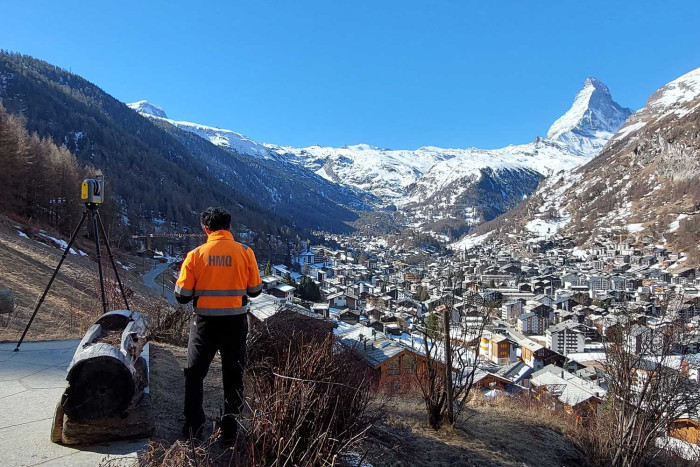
(648, 386)
(446, 395)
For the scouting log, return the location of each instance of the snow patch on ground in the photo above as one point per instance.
(635, 228)
(686, 450)
(123, 266)
(470, 241)
(61, 243)
(673, 226)
(22, 234)
(578, 253)
(544, 228)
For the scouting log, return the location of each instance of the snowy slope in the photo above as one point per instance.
(433, 183)
(383, 172)
(677, 98)
(591, 121)
(221, 137)
(642, 184)
(145, 107)
(542, 156)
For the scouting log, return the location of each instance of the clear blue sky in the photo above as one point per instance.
(387, 73)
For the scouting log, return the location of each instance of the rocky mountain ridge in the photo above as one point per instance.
(644, 185)
(443, 190)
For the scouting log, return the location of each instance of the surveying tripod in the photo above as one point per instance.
(98, 228)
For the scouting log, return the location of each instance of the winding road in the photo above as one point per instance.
(149, 280)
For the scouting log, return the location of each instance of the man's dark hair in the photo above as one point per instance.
(216, 219)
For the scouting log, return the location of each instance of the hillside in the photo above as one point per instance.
(645, 184)
(153, 174)
(27, 260)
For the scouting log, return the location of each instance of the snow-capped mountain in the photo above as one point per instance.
(478, 185)
(391, 174)
(439, 187)
(591, 121)
(385, 173)
(145, 107)
(224, 138)
(643, 186)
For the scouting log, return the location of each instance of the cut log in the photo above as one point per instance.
(104, 381)
(100, 383)
(7, 301)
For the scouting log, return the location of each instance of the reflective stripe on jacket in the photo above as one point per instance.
(219, 274)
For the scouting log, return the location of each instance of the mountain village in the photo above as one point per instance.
(562, 272)
(549, 309)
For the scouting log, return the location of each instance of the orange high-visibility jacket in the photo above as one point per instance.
(218, 275)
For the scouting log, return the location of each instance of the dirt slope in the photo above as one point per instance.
(26, 265)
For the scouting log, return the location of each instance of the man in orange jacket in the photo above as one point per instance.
(218, 276)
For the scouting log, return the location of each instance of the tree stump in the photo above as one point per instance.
(106, 397)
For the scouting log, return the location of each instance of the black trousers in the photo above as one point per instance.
(227, 334)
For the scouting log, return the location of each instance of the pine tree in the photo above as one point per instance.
(268, 269)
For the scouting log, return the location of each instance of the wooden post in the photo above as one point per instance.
(448, 365)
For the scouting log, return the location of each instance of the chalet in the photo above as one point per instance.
(283, 292)
(515, 372)
(322, 309)
(262, 307)
(686, 428)
(269, 282)
(336, 300)
(396, 367)
(498, 348)
(486, 380)
(566, 390)
(349, 316)
(352, 301)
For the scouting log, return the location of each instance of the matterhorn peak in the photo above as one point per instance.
(593, 114)
(146, 107)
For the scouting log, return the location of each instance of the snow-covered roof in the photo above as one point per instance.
(569, 388)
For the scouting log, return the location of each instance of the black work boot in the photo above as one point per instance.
(229, 430)
(194, 430)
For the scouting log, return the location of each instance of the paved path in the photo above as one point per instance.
(31, 383)
(149, 280)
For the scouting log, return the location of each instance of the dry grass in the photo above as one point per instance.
(497, 432)
(72, 304)
(308, 406)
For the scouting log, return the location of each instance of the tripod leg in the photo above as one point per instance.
(111, 258)
(55, 272)
(99, 260)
